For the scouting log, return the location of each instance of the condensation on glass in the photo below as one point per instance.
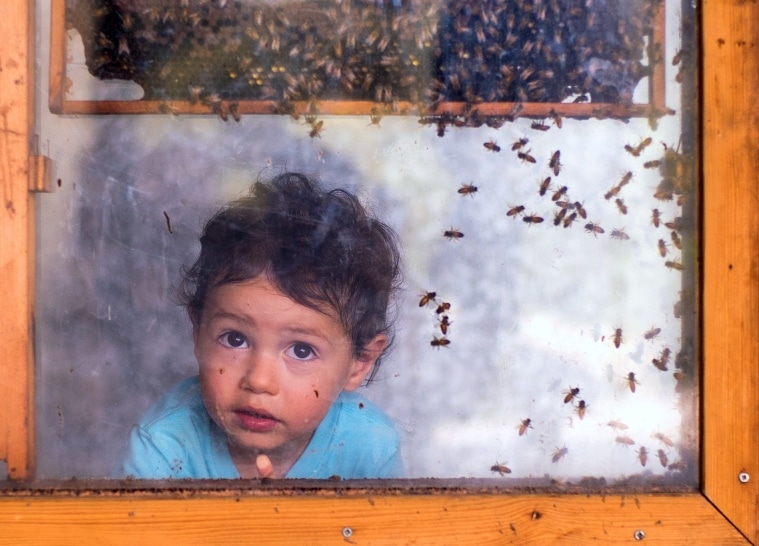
(531, 128)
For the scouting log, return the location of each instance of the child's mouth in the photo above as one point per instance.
(255, 420)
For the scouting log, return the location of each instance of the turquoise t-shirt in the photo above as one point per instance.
(178, 439)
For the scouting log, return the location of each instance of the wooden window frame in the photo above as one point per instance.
(723, 511)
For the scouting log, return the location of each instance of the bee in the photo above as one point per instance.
(621, 205)
(624, 440)
(677, 465)
(569, 219)
(676, 240)
(492, 146)
(539, 126)
(515, 211)
(556, 118)
(662, 457)
(452, 234)
(662, 248)
(559, 216)
(532, 219)
(544, 186)
(468, 189)
(557, 195)
(234, 109)
(619, 234)
(580, 408)
(438, 342)
(316, 129)
(659, 364)
(664, 439)
(524, 425)
(519, 144)
(652, 164)
(559, 454)
(636, 150)
(595, 229)
(678, 57)
(676, 224)
(652, 333)
(625, 179)
(631, 381)
(619, 425)
(571, 394)
(655, 217)
(444, 323)
(526, 157)
(442, 308)
(674, 264)
(581, 210)
(426, 298)
(195, 92)
(554, 163)
(677, 309)
(617, 337)
(663, 195)
(502, 469)
(642, 455)
(375, 117)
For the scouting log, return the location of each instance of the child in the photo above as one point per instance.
(288, 302)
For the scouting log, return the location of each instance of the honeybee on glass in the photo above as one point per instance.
(539, 126)
(532, 219)
(631, 381)
(492, 146)
(519, 144)
(452, 234)
(515, 211)
(676, 240)
(652, 333)
(655, 217)
(438, 342)
(674, 264)
(580, 408)
(524, 425)
(559, 454)
(664, 439)
(555, 163)
(594, 228)
(555, 116)
(444, 323)
(663, 459)
(559, 193)
(570, 219)
(316, 129)
(624, 440)
(571, 394)
(526, 157)
(619, 234)
(621, 205)
(427, 297)
(619, 425)
(468, 189)
(545, 185)
(501, 469)
(581, 210)
(617, 337)
(662, 248)
(642, 455)
(442, 308)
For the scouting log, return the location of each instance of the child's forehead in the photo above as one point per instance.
(261, 296)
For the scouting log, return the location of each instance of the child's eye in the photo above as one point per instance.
(301, 351)
(234, 340)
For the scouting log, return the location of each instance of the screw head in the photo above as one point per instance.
(347, 532)
(639, 534)
(744, 477)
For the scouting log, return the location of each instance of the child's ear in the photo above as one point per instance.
(362, 364)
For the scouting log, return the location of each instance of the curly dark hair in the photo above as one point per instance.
(317, 247)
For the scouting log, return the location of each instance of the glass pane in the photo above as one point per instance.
(546, 327)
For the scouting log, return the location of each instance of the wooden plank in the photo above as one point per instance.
(422, 519)
(16, 241)
(731, 260)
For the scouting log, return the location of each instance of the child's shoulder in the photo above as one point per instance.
(180, 402)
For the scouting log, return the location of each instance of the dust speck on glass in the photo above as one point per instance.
(544, 198)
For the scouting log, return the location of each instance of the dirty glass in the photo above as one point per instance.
(536, 157)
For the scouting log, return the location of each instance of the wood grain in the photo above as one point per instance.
(380, 519)
(17, 240)
(731, 260)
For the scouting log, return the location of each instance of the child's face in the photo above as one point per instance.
(270, 369)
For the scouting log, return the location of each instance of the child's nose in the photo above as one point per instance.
(261, 374)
